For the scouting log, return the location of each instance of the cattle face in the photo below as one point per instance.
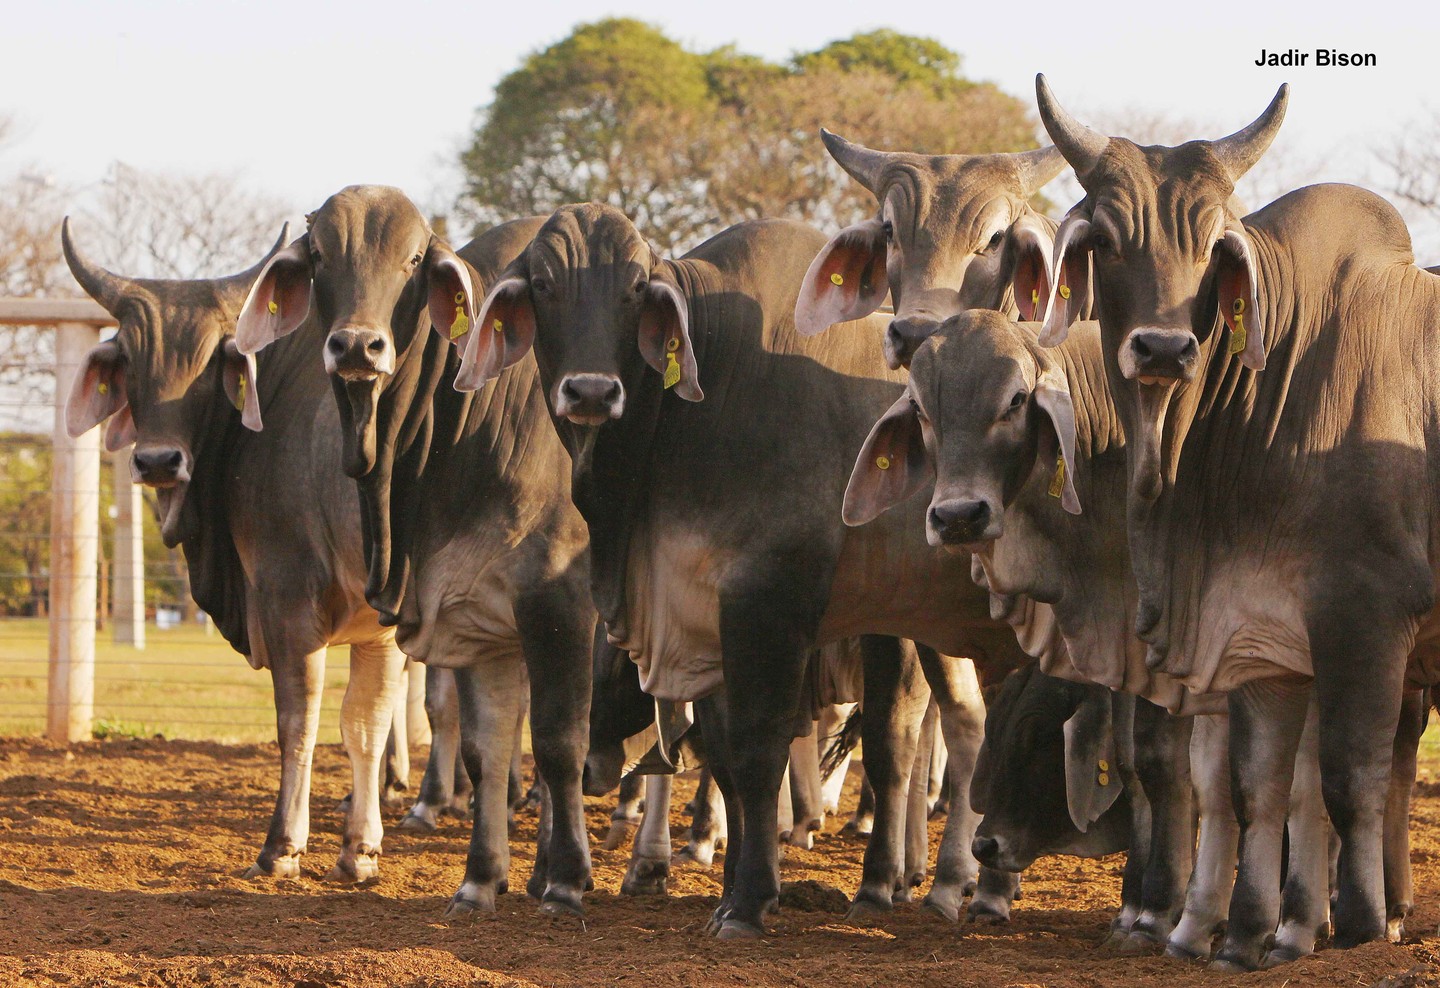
(368, 268)
(953, 232)
(159, 380)
(1168, 255)
(1046, 779)
(985, 409)
(611, 306)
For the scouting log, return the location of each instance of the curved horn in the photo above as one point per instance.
(862, 163)
(1239, 152)
(101, 285)
(232, 289)
(1037, 168)
(1080, 145)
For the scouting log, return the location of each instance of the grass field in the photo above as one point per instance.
(184, 684)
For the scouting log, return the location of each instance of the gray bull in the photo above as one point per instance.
(953, 232)
(474, 550)
(268, 523)
(1246, 582)
(718, 557)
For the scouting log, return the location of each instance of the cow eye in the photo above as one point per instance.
(1017, 401)
(415, 261)
(539, 285)
(1101, 243)
(641, 287)
(994, 241)
(315, 257)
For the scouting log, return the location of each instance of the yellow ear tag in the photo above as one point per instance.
(104, 388)
(837, 278)
(883, 462)
(1103, 779)
(240, 395)
(498, 326)
(1103, 765)
(1057, 483)
(672, 369)
(1034, 296)
(461, 325)
(1238, 337)
(1065, 292)
(274, 307)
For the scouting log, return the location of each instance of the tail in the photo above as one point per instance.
(839, 745)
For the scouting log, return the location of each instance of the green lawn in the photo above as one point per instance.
(184, 684)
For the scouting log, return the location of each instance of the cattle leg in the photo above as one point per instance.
(956, 689)
(765, 654)
(437, 787)
(625, 819)
(397, 745)
(895, 700)
(1207, 900)
(1305, 899)
(1359, 659)
(707, 825)
(832, 720)
(862, 822)
(298, 684)
(937, 792)
(1267, 718)
(490, 701)
(650, 861)
(807, 814)
(1399, 888)
(1162, 761)
(366, 713)
(712, 717)
(917, 807)
(416, 683)
(557, 651)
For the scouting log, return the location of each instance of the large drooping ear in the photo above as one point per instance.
(847, 280)
(504, 330)
(450, 292)
(892, 465)
(1052, 396)
(1092, 778)
(241, 384)
(1235, 281)
(665, 335)
(279, 300)
(98, 390)
(1030, 244)
(1070, 279)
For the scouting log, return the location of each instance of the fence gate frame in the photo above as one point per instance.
(75, 523)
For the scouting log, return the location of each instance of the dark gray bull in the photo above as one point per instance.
(268, 522)
(953, 232)
(474, 550)
(1246, 582)
(718, 555)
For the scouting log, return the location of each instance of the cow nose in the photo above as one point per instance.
(358, 354)
(904, 337)
(959, 521)
(590, 399)
(986, 850)
(158, 467)
(1163, 353)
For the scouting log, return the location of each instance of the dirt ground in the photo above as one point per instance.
(121, 864)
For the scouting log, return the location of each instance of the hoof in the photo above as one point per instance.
(1137, 944)
(1187, 948)
(393, 794)
(1282, 955)
(646, 877)
(419, 823)
(352, 869)
(535, 887)
(699, 855)
(284, 867)
(735, 929)
(943, 902)
(1395, 929)
(801, 837)
(469, 902)
(988, 910)
(858, 827)
(866, 910)
(562, 905)
(716, 920)
(344, 805)
(620, 832)
(1221, 965)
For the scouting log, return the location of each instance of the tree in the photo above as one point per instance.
(1411, 166)
(687, 143)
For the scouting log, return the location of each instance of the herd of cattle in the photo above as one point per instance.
(1181, 514)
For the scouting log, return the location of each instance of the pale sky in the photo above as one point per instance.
(302, 98)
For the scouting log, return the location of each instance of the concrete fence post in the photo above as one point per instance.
(128, 600)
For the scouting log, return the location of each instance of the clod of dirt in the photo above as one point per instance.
(811, 896)
(1421, 976)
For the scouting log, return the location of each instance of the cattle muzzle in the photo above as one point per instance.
(357, 354)
(1159, 356)
(962, 523)
(590, 399)
(159, 466)
(904, 337)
